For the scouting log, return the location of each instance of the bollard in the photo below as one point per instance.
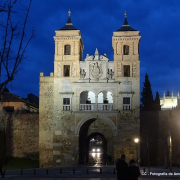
(100, 170)
(73, 171)
(114, 171)
(60, 170)
(47, 171)
(34, 171)
(22, 171)
(87, 171)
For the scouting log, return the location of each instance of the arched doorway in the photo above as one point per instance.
(101, 130)
(97, 145)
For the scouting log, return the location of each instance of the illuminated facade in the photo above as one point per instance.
(169, 101)
(94, 98)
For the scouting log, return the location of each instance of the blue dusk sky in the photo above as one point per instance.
(158, 23)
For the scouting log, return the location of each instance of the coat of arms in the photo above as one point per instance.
(96, 70)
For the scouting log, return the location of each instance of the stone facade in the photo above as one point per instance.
(96, 91)
(22, 134)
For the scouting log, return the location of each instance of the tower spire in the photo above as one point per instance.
(69, 25)
(125, 26)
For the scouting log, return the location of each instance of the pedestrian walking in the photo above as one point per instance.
(122, 168)
(133, 170)
(1, 166)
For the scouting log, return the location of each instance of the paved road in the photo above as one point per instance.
(86, 173)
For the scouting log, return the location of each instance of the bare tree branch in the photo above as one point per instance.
(12, 53)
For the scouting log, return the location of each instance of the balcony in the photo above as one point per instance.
(66, 107)
(96, 107)
(126, 107)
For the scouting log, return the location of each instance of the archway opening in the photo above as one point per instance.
(83, 145)
(97, 145)
(95, 142)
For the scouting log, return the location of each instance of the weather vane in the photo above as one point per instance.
(69, 12)
(125, 14)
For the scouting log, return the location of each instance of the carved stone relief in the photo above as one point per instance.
(119, 69)
(73, 69)
(59, 69)
(96, 70)
(134, 69)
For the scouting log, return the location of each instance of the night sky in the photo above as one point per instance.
(157, 21)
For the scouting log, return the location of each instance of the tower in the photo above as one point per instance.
(125, 42)
(68, 51)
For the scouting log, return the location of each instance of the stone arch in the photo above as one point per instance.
(105, 118)
(87, 90)
(84, 97)
(110, 99)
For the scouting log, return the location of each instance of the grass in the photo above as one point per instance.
(18, 163)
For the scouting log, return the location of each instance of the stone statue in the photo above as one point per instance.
(110, 74)
(82, 73)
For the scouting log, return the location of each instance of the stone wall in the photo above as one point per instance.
(22, 135)
(155, 129)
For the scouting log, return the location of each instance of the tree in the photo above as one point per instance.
(13, 45)
(157, 105)
(13, 40)
(146, 96)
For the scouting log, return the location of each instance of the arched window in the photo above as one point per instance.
(67, 49)
(126, 70)
(126, 50)
(66, 70)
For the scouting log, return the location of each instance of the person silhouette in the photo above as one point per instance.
(1, 166)
(122, 168)
(133, 170)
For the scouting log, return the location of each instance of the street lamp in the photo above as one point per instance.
(169, 142)
(136, 140)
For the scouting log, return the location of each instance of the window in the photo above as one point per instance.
(126, 70)
(66, 70)
(126, 103)
(67, 49)
(66, 101)
(126, 50)
(126, 100)
(66, 104)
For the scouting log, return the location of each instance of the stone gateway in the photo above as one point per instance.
(89, 109)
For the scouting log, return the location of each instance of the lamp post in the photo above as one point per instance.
(169, 141)
(136, 140)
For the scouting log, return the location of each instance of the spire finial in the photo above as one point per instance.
(69, 12)
(125, 14)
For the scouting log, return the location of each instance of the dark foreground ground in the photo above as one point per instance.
(87, 173)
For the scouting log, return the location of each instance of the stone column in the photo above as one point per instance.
(96, 102)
